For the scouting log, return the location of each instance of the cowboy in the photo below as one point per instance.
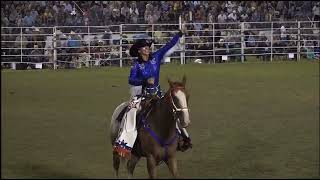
(144, 81)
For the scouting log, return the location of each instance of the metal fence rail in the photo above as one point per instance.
(77, 46)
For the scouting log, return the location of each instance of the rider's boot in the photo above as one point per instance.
(184, 142)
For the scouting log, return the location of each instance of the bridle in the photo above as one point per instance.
(175, 109)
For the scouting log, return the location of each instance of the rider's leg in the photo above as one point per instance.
(128, 132)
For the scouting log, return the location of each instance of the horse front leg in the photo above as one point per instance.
(131, 164)
(173, 166)
(151, 165)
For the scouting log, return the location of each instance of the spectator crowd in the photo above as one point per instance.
(35, 15)
(101, 13)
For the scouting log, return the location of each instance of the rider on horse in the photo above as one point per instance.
(144, 81)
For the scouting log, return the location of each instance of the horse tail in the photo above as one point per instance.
(114, 131)
(114, 123)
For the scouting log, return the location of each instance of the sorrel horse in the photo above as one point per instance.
(157, 138)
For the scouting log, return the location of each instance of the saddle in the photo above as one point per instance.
(146, 105)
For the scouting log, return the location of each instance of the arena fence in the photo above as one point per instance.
(78, 46)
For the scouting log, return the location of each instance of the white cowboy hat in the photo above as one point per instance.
(198, 61)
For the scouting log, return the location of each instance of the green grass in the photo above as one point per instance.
(251, 120)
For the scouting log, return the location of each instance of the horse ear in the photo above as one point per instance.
(170, 82)
(184, 80)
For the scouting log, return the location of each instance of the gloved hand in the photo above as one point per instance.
(182, 31)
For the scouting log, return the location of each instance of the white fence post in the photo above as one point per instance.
(242, 42)
(13, 66)
(54, 47)
(21, 44)
(298, 44)
(271, 41)
(184, 46)
(152, 37)
(181, 52)
(89, 61)
(120, 45)
(213, 44)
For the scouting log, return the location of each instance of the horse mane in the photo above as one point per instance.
(177, 83)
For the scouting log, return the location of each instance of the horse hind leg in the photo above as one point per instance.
(116, 163)
(131, 164)
(116, 157)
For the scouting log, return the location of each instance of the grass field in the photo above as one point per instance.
(251, 120)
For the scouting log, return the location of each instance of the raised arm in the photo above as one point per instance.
(162, 51)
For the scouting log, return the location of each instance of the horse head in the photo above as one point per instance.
(178, 100)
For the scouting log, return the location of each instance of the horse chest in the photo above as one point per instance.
(150, 146)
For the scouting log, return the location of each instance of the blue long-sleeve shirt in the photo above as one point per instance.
(141, 70)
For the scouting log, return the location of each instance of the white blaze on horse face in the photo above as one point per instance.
(181, 96)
